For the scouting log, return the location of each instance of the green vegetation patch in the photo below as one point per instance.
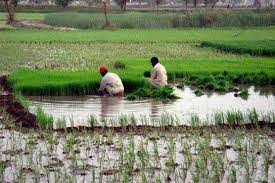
(162, 93)
(45, 82)
(138, 20)
(256, 48)
(125, 35)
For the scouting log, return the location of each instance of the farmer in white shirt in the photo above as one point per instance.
(159, 75)
(110, 84)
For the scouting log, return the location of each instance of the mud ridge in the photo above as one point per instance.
(21, 116)
(141, 129)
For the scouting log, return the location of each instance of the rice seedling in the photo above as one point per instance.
(44, 120)
(92, 120)
(234, 117)
(258, 48)
(244, 93)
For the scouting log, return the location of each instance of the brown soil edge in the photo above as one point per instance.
(142, 129)
(35, 25)
(21, 116)
(26, 119)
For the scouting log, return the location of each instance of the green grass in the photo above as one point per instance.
(257, 48)
(25, 16)
(137, 36)
(45, 82)
(137, 20)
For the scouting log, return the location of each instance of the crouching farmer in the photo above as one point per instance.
(110, 84)
(159, 75)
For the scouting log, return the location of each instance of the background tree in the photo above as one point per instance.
(158, 2)
(9, 6)
(195, 3)
(63, 3)
(122, 4)
(185, 2)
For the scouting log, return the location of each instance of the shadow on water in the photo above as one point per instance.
(78, 108)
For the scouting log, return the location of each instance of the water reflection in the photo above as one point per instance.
(79, 108)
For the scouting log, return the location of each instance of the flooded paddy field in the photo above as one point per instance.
(77, 109)
(232, 155)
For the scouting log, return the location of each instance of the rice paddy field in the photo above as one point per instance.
(213, 123)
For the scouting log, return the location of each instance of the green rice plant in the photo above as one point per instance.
(253, 116)
(136, 36)
(194, 120)
(256, 48)
(234, 117)
(60, 123)
(123, 120)
(92, 120)
(244, 93)
(219, 118)
(44, 120)
(162, 93)
(70, 142)
(232, 175)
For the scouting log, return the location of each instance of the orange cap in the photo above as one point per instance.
(102, 69)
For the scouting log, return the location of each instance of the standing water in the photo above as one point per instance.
(79, 108)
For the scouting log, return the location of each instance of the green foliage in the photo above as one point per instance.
(137, 20)
(256, 48)
(44, 120)
(234, 117)
(162, 93)
(63, 3)
(244, 92)
(215, 75)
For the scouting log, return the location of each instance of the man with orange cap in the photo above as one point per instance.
(110, 84)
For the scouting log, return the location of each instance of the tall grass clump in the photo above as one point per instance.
(44, 120)
(138, 20)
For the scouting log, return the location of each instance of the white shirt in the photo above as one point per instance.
(159, 75)
(111, 80)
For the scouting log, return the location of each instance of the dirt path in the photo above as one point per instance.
(35, 25)
(21, 116)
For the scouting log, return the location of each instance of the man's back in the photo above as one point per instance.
(112, 84)
(159, 75)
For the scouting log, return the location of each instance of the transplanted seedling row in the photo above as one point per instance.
(199, 155)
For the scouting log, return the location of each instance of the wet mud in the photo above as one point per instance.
(144, 129)
(14, 108)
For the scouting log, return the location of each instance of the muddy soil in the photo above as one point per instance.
(15, 109)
